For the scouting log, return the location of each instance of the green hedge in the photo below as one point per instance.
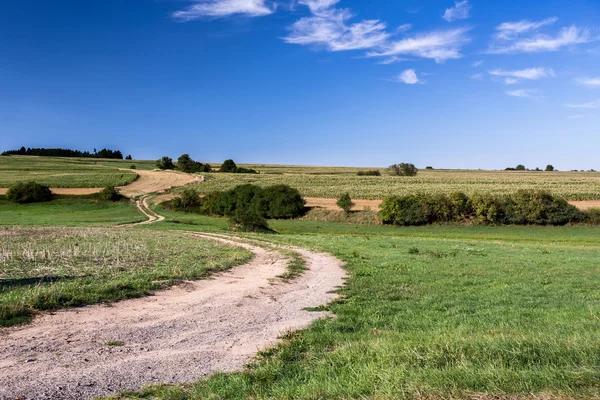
(525, 207)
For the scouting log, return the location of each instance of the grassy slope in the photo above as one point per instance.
(68, 212)
(50, 268)
(477, 310)
(63, 172)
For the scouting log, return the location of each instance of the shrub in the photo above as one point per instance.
(402, 169)
(28, 192)
(230, 167)
(527, 207)
(374, 172)
(594, 216)
(549, 168)
(345, 203)
(188, 202)
(429, 167)
(488, 209)
(248, 220)
(461, 204)
(282, 202)
(110, 193)
(186, 164)
(132, 166)
(165, 163)
(406, 210)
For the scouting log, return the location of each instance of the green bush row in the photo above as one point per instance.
(525, 207)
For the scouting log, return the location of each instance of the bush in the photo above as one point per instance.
(110, 193)
(188, 202)
(28, 192)
(132, 166)
(345, 203)
(540, 208)
(403, 169)
(186, 164)
(282, 202)
(488, 209)
(248, 220)
(406, 210)
(165, 163)
(594, 216)
(374, 172)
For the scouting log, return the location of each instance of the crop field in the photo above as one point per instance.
(61, 172)
(570, 185)
(50, 268)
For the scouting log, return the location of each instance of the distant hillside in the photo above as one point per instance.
(104, 153)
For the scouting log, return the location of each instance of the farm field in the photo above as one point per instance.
(51, 268)
(61, 172)
(570, 185)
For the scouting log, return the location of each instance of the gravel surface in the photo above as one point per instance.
(177, 335)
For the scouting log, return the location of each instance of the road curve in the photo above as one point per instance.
(174, 336)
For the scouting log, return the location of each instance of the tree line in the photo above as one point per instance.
(104, 153)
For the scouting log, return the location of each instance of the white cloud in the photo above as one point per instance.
(526, 93)
(589, 82)
(477, 64)
(592, 105)
(409, 77)
(459, 11)
(510, 30)
(440, 45)
(478, 77)
(513, 77)
(317, 6)
(224, 8)
(541, 43)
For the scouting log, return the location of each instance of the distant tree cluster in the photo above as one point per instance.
(104, 153)
(374, 172)
(521, 167)
(402, 169)
(229, 166)
(186, 164)
(165, 163)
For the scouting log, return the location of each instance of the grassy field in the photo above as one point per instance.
(570, 185)
(68, 211)
(50, 268)
(433, 312)
(63, 172)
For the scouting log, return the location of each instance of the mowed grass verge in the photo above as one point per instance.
(434, 312)
(69, 211)
(62, 172)
(51, 268)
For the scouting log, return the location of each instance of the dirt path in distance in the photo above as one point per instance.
(174, 336)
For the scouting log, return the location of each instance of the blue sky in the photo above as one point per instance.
(467, 84)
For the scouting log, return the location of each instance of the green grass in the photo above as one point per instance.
(492, 311)
(63, 172)
(51, 268)
(68, 211)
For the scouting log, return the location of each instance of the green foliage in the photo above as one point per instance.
(28, 192)
(165, 163)
(282, 202)
(189, 201)
(248, 220)
(110, 193)
(403, 169)
(229, 166)
(132, 166)
(345, 203)
(521, 208)
(594, 216)
(186, 164)
(374, 172)
(520, 167)
(549, 168)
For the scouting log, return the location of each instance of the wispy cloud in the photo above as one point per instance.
(526, 93)
(592, 105)
(409, 77)
(589, 82)
(513, 77)
(510, 30)
(224, 8)
(439, 46)
(477, 77)
(477, 64)
(544, 43)
(330, 28)
(460, 10)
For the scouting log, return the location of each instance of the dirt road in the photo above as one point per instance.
(177, 335)
(148, 182)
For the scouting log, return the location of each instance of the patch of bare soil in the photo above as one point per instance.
(177, 335)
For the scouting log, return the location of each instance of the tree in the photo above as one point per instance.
(403, 169)
(129, 157)
(185, 163)
(228, 166)
(345, 203)
(520, 167)
(165, 163)
(549, 168)
(28, 192)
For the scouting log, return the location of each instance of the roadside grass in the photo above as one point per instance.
(52, 268)
(63, 172)
(476, 312)
(68, 211)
